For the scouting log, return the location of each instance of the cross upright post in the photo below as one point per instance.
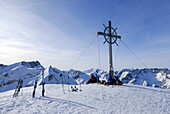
(110, 51)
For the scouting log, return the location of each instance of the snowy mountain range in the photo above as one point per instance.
(29, 71)
(146, 77)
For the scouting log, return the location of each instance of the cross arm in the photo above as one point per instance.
(107, 34)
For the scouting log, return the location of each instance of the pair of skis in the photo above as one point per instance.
(18, 88)
(35, 85)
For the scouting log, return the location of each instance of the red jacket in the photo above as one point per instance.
(93, 77)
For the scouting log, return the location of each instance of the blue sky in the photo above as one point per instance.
(56, 32)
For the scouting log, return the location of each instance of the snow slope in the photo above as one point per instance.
(94, 99)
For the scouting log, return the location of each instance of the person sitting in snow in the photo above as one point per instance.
(111, 81)
(118, 81)
(97, 77)
(92, 79)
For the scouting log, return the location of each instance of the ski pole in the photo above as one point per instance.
(62, 83)
(43, 90)
(68, 82)
(80, 87)
(80, 83)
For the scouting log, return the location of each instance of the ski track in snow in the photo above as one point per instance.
(94, 99)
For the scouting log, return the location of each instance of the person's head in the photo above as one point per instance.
(97, 71)
(92, 74)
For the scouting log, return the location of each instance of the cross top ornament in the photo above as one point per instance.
(110, 34)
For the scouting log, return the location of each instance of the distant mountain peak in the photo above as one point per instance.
(32, 64)
(2, 65)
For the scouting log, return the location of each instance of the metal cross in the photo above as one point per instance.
(108, 38)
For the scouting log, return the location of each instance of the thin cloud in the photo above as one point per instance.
(26, 36)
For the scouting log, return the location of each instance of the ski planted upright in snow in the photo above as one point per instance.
(43, 83)
(14, 95)
(18, 88)
(62, 83)
(35, 86)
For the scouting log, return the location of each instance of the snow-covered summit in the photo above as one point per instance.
(34, 64)
(52, 76)
(2, 65)
(90, 70)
